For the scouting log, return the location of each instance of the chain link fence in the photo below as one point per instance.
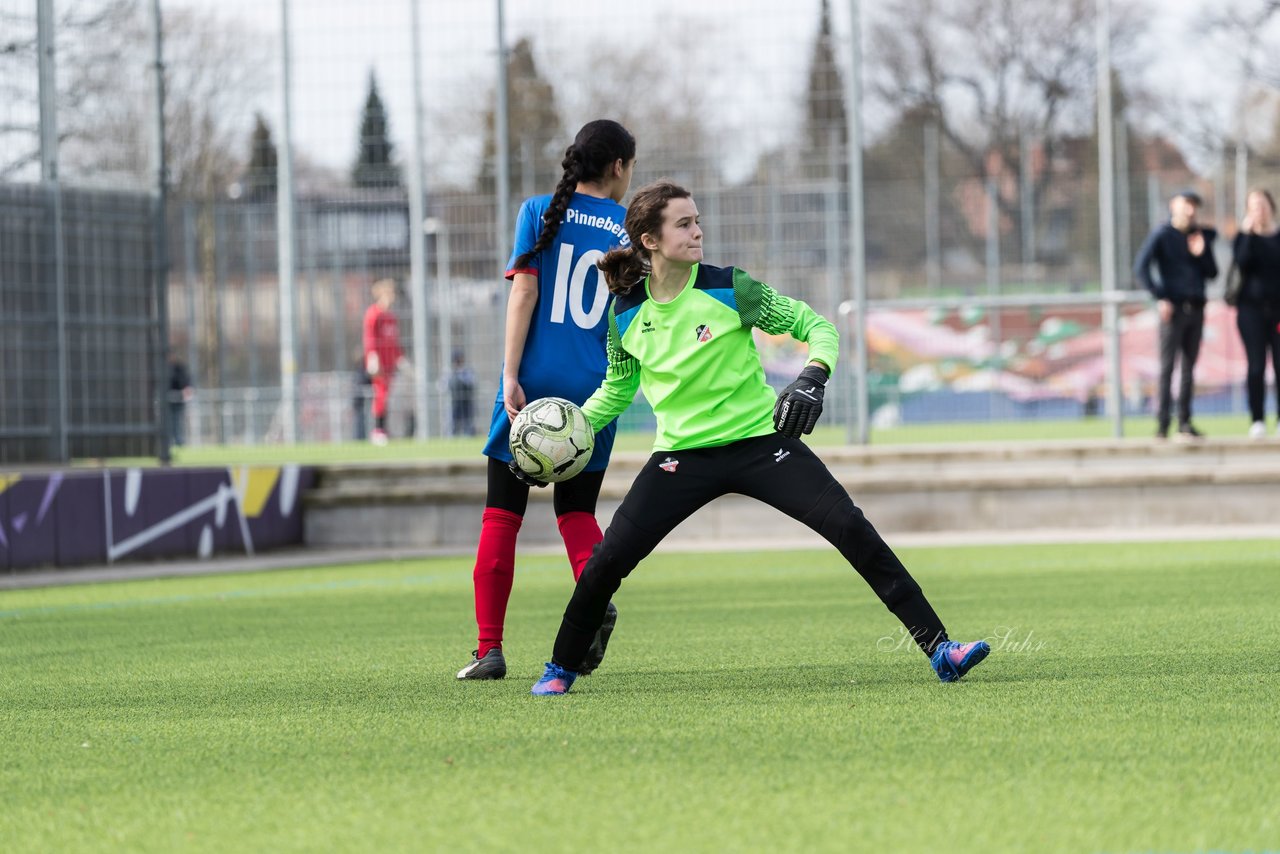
(81, 307)
(294, 133)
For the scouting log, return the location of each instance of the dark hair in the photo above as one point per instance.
(625, 267)
(597, 146)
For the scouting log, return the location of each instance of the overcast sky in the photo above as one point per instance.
(752, 57)
(762, 49)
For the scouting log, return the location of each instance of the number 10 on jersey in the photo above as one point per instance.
(570, 284)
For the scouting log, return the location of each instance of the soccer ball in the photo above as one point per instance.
(551, 439)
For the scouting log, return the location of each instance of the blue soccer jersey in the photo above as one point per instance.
(564, 354)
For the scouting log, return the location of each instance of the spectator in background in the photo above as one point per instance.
(1257, 258)
(462, 390)
(180, 391)
(362, 393)
(1182, 252)
(382, 352)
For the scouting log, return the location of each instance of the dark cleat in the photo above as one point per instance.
(492, 666)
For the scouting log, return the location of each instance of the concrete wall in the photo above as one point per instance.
(928, 489)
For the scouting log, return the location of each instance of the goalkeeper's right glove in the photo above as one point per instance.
(800, 404)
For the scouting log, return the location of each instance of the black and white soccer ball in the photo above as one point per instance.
(551, 439)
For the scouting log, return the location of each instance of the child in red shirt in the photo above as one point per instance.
(381, 352)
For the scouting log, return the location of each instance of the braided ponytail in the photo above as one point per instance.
(572, 166)
(595, 149)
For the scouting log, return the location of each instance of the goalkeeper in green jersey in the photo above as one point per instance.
(680, 330)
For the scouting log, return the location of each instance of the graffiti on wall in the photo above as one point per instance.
(67, 518)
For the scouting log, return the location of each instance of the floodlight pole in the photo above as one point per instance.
(502, 143)
(1107, 222)
(51, 182)
(417, 244)
(932, 225)
(857, 227)
(159, 216)
(284, 244)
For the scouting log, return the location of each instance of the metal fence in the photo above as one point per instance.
(312, 149)
(80, 325)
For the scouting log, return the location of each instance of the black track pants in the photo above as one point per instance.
(1259, 325)
(782, 473)
(1180, 337)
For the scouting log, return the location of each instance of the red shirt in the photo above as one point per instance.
(382, 336)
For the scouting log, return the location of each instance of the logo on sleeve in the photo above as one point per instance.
(704, 334)
(669, 465)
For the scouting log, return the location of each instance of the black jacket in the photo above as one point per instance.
(1182, 275)
(1258, 258)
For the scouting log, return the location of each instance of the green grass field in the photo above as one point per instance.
(748, 703)
(443, 449)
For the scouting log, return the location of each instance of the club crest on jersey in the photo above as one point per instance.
(669, 464)
(704, 334)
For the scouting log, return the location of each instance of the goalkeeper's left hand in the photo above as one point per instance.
(800, 403)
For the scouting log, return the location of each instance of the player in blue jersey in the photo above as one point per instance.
(555, 347)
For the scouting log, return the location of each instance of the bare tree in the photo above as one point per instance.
(213, 74)
(535, 137)
(990, 72)
(78, 29)
(619, 82)
(103, 52)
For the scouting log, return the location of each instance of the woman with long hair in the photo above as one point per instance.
(1257, 258)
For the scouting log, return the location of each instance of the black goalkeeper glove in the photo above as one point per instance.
(800, 403)
(524, 477)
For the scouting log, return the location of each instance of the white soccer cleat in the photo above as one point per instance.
(1257, 430)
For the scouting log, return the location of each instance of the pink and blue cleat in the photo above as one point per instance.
(953, 659)
(555, 681)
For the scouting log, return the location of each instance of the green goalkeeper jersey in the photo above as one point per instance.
(696, 361)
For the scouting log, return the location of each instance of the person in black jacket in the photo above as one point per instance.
(1257, 257)
(180, 391)
(1182, 252)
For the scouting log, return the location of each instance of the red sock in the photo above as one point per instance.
(581, 533)
(494, 572)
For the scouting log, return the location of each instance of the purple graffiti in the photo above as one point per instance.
(50, 490)
(79, 517)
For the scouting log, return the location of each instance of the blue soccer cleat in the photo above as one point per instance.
(953, 659)
(555, 680)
